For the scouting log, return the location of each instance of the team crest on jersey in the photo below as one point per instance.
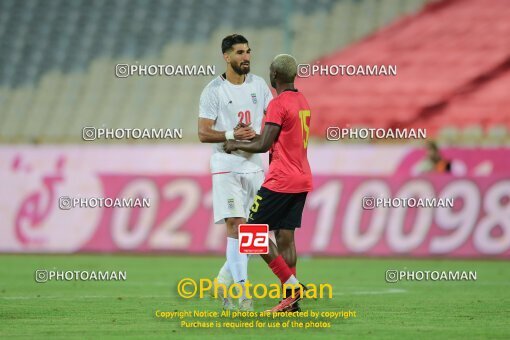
(254, 98)
(230, 203)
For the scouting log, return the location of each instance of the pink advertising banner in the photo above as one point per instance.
(179, 219)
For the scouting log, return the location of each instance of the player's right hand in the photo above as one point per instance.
(229, 146)
(244, 133)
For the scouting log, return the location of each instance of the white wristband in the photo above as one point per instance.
(229, 135)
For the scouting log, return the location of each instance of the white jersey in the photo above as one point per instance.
(228, 104)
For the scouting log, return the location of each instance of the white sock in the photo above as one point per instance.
(245, 259)
(292, 281)
(238, 263)
(225, 276)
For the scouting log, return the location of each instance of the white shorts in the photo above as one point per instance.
(233, 194)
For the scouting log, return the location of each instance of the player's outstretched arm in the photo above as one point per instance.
(207, 134)
(259, 144)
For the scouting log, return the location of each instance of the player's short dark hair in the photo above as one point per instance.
(231, 40)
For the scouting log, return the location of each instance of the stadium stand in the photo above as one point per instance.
(57, 57)
(453, 62)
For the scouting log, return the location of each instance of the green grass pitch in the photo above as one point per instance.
(403, 310)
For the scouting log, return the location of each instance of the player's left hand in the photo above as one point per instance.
(229, 146)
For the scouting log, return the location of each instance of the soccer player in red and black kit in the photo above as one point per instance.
(281, 199)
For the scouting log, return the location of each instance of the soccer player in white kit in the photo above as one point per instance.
(232, 106)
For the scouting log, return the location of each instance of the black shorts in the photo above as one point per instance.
(278, 210)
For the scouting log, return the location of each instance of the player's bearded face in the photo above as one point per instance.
(240, 59)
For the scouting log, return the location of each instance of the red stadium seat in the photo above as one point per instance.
(453, 62)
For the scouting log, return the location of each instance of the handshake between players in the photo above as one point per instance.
(241, 194)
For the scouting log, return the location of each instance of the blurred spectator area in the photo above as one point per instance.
(453, 76)
(57, 61)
